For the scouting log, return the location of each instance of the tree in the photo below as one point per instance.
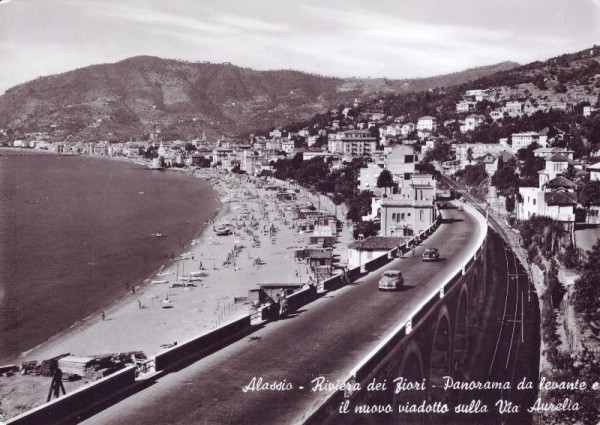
(441, 152)
(587, 290)
(505, 179)
(151, 152)
(590, 194)
(385, 180)
(510, 204)
(359, 206)
(570, 173)
(540, 82)
(472, 175)
(366, 228)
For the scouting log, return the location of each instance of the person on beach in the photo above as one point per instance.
(139, 304)
(103, 316)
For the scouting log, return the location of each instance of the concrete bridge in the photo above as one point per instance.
(435, 342)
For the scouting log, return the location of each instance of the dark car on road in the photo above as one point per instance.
(431, 254)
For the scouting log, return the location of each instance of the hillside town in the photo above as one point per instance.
(527, 151)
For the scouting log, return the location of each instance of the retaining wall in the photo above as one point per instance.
(182, 351)
(80, 400)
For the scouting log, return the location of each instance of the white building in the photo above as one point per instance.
(353, 143)
(407, 128)
(514, 109)
(401, 161)
(471, 123)
(555, 197)
(427, 123)
(306, 155)
(410, 212)
(594, 171)
(477, 150)
(587, 111)
(548, 152)
(367, 179)
(497, 114)
(361, 252)
(480, 94)
(522, 140)
(465, 106)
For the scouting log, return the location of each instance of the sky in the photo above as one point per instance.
(344, 38)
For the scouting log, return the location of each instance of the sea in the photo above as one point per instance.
(77, 233)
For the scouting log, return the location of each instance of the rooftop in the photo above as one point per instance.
(378, 243)
(560, 198)
(559, 157)
(561, 181)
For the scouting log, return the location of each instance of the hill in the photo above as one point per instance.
(172, 99)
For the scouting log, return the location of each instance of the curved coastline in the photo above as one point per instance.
(63, 335)
(186, 234)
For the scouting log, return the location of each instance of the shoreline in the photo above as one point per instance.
(196, 233)
(65, 333)
(205, 246)
(260, 250)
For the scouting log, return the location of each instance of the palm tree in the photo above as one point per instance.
(570, 173)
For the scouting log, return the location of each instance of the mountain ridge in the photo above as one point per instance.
(174, 99)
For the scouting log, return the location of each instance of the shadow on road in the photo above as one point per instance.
(451, 220)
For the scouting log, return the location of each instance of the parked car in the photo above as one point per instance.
(391, 280)
(431, 254)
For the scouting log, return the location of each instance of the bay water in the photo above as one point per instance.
(76, 233)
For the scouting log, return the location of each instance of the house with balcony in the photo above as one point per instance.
(353, 143)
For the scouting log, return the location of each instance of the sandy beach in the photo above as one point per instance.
(259, 250)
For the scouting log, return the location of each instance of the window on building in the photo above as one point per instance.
(402, 216)
(422, 215)
(393, 216)
(534, 202)
(408, 159)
